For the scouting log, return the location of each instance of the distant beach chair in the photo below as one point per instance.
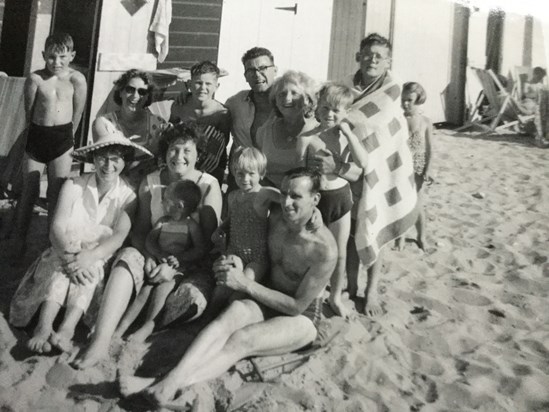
(520, 76)
(503, 110)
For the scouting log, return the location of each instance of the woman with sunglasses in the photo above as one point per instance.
(133, 94)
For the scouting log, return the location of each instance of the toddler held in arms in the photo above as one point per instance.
(175, 240)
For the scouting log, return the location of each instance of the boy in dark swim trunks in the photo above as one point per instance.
(54, 102)
(333, 137)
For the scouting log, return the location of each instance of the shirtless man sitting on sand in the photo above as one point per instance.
(277, 318)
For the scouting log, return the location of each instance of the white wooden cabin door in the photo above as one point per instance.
(296, 31)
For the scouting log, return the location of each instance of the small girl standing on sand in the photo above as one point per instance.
(248, 210)
(421, 130)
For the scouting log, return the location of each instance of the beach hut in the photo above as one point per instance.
(434, 41)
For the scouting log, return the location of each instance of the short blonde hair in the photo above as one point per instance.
(302, 80)
(249, 158)
(336, 94)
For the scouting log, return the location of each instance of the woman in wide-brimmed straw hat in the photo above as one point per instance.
(90, 223)
(133, 265)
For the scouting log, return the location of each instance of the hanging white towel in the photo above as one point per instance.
(160, 26)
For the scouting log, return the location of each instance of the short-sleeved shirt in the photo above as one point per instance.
(242, 109)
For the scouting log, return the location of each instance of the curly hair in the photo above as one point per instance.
(373, 39)
(182, 132)
(256, 52)
(302, 80)
(123, 81)
(413, 87)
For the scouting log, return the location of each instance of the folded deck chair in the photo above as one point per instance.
(503, 109)
(12, 136)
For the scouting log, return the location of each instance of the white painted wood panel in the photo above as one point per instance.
(298, 41)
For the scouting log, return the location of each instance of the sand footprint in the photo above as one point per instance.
(471, 298)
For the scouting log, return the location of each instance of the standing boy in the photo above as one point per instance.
(54, 102)
(211, 115)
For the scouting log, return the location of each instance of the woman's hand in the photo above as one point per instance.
(81, 277)
(74, 262)
(85, 259)
(162, 273)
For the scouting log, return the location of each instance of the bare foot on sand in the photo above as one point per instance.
(90, 357)
(421, 243)
(62, 340)
(130, 385)
(142, 333)
(372, 306)
(162, 393)
(399, 244)
(39, 341)
(338, 307)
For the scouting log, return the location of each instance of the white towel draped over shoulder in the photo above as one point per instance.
(160, 26)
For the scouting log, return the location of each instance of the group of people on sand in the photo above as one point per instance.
(299, 172)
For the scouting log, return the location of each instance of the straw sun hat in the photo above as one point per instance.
(111, 137)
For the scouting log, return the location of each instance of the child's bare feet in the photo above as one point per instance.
(338, 307)
(421, 243)
(142, 333)
(91, 356)
(62, 340)
(372, 306)
(39, 341)
(399, 244)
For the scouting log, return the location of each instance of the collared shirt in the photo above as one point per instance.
(242, 109)
(106, 211)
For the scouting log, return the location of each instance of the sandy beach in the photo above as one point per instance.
(466, 324)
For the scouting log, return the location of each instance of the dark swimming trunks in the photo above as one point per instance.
(313, 312)
(334, 204)
(46, 143)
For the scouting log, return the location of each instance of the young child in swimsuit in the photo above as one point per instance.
(248, 211)
(421, 130)
(175, 240)
(334, 137)
(54, 102)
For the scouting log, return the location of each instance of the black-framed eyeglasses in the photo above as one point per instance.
(131, 90)
(261, 69)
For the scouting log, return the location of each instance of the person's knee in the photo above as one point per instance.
(238, 312)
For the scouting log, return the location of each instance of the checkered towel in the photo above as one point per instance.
(387, 205)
